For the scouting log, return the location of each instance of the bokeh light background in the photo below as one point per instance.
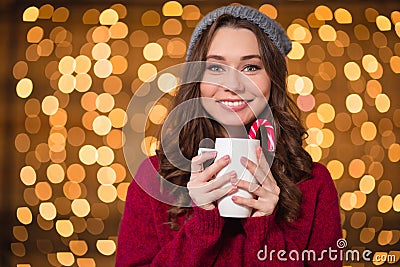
(69, 70)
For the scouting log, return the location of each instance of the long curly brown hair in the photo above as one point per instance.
(291, 164)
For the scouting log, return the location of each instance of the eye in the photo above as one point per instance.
(251, 68)
(215, 68)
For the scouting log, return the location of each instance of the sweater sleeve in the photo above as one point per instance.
(195, 244)
(326, 228)
(270, 245)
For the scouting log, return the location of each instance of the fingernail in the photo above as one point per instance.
(243, 160)
(232, 174)
(226, 157)
(234, 198)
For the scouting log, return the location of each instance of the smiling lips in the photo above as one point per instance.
(233, 105)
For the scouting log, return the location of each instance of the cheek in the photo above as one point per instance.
(264, 87)
(207, 90)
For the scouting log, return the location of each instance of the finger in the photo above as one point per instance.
(197, 161)
(216, 167)
(263, 164)
(249, 202)
(253, 169)
(222, 180)
(253, 188)
(223, 191)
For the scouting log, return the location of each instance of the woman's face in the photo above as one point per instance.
(235, 79)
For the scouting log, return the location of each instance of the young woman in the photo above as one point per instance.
(295, 219)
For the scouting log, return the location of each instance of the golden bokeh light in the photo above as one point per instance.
(326, 113)
(352, 71)
(24, 215)
(101, 34)
(368, 131)
(24, 87)
(28, 175)
(268, 10)
(102, 125)
(106, 247)
(356, 168)
(50, 105)
(47, 210)
(106, 176)
(118, 118)
(172, 8)
(385, 204)
(88, 154)
(150, 18)
(348, 201)
(367, 184)
(78, 247)
(108, 17)
(105, 156)
(343, 16)
(335, 168)
(147, 72)
(382, 103)
(383, 23)
(394, 152)
(119, 64)
(323, 13)
(35, 34)
(103, 68)
(176, 47)
(105, 102)
(327, 33)
(55, 173)
(354, 103)
(65, 258)
(297, 51)
(80, 207)
(119, 30)
(30, 14)
(152, 52)
(172, 27)
(107, 193)
(101, 51)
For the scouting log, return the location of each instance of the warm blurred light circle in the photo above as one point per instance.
(80, 207)
(147, 72)
(335, 168)
(106, 247)
(172, 8)
(28, 175)
(352, 71)
(24, 87)
(102, 125)
(382, 103)
(354, 103)
(367, 184)
(88, 154)
(152, 52)
(47, 210)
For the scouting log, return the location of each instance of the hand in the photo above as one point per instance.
(203, 188)
(267, 195)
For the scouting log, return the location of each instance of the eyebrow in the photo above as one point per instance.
(217, 57)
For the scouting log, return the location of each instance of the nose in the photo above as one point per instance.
(233, 81)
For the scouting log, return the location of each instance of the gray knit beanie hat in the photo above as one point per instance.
(274, 31)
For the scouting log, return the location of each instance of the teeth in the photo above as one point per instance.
(232, 104)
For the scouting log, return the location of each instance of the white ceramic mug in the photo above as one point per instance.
(235, 148)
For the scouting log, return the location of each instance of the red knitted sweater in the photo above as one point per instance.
(207, 239)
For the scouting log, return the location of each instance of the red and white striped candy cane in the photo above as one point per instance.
(270, 132)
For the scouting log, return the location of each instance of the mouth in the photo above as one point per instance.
(233, 105)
